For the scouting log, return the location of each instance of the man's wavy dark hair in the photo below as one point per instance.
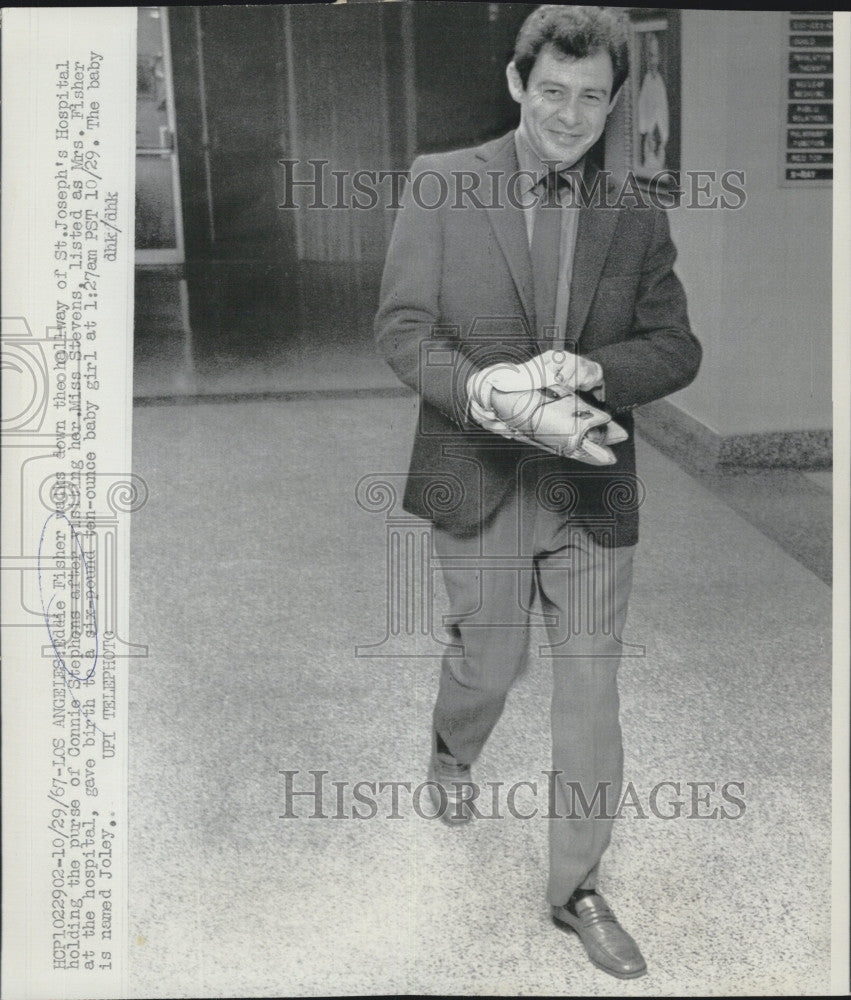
(573, 31)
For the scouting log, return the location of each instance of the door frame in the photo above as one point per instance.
(176, 254)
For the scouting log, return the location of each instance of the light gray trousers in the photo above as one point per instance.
(491, 579)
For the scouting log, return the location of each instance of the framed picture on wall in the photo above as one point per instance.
(654, 95)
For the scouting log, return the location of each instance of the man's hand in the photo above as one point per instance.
(556, 370)
(489, 420)
(573, 372)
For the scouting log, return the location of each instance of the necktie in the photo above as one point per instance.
(546, 240)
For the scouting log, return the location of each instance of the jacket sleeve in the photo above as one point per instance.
(424, 354)
(661, 355)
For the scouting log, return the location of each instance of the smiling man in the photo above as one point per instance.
(530, 326)
(564, 102)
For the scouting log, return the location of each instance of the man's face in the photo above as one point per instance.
(564, 107)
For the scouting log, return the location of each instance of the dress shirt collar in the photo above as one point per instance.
(533, 169)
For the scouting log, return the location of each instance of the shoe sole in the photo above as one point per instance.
(570, 929)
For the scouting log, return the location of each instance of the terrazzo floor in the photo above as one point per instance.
(256, 574)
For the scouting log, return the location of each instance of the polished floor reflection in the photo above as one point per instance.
(241, 339)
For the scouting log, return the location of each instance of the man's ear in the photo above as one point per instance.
(515, 84)
(614, 99)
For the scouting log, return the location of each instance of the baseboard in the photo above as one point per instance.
(694, 445)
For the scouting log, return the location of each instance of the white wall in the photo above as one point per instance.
(758, 279)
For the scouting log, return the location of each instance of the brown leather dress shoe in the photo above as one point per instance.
(609, 946)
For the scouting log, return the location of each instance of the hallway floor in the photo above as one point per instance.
(255, 574)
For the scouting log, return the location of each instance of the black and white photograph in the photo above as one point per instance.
(425, 574)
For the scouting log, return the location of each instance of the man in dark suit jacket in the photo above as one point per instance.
(467, 317)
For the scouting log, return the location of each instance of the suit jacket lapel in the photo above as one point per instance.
(594, 236)
(508, 222)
